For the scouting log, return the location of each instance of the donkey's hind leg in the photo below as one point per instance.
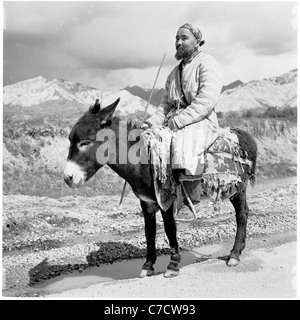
(149, 212)
(239, 202)
(171, 232)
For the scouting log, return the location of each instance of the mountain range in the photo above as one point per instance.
(279, 92)
(145, 93)
(38, 90)
(62, 95)
(232, 85)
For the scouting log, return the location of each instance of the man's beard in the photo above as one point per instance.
(183, 53)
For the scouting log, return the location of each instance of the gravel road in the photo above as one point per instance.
(45, 238)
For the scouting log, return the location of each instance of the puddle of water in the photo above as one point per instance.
(119, 270)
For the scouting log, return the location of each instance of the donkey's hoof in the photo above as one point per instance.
(146, 273)
(171, 273)
(233, 262)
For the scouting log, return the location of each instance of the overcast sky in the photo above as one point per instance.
(109, 44)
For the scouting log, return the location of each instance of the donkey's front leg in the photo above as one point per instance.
(149, 211)
(171, 232)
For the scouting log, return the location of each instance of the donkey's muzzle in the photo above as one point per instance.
(68, 179)
(74, 176)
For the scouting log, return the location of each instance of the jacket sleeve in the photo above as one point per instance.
(210, 86)
(163, 109)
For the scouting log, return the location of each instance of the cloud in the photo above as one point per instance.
(107, 35)
(262, 28)
(135, 41)
(44, 19)
(125, 41)
(266, 28)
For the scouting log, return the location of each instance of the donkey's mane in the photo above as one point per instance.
(134, 121)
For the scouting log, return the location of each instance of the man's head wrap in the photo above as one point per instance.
(195, 31)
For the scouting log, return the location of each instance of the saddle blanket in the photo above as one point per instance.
(222, 169)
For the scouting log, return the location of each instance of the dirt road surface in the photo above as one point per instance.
(67, 244)
(267, 270)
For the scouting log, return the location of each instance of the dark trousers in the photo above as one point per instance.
(192, 187)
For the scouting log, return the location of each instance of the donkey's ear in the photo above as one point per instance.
(96, 107)
(108, 111)
(111, 108)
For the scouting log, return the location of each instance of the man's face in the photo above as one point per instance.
(185, 44)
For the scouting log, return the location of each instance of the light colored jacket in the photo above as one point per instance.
(189, 102)
(201, 85)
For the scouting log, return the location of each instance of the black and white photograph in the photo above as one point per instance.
(149, 153)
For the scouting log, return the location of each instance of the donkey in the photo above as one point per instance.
(83, 162)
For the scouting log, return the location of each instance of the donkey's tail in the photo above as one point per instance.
(253, 172)
(249, 145)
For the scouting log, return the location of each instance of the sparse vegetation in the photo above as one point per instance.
(36, 148)
(282, 114)
(234, 118)
(27, 172)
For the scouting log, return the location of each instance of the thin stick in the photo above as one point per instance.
(122, 195)
(162, 61)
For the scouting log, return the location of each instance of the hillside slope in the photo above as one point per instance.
(59, 95)
(35, 153)
(276, 92)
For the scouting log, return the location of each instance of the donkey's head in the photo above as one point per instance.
(82, 162)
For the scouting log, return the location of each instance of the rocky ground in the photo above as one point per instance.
(44, 237)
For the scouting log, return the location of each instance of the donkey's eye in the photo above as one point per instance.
(84, 143)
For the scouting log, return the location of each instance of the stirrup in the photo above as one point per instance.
(190, 204)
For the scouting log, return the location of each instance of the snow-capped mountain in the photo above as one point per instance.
(277, 92)
(280, 92)
(38, 91)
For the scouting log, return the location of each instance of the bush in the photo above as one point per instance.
(286, 113)
(248, 114)
(220, 115)
(230, 119)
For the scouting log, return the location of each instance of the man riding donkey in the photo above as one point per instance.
(187, 108)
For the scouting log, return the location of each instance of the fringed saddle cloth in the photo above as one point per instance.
(225, 162)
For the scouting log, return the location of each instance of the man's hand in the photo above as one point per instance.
(172, 125)
(145, 126)
(156, 130)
